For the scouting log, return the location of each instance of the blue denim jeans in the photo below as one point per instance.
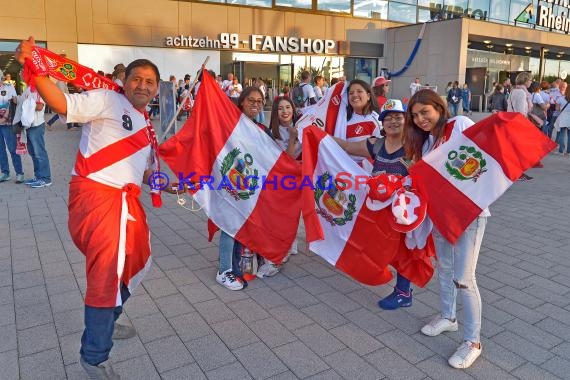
(563, 140)
(97, 338)
(8, 140)
(38, 152)
(456, 266)
(453, 108)
(230, 254)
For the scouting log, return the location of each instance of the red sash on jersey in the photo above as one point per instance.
(109, 227)
(364, 128)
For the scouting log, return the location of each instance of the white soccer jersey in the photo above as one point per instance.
(109, 121)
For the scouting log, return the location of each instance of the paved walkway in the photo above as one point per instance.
(310, 321)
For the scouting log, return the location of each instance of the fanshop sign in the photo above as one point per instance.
(256, 42)
(543, 15)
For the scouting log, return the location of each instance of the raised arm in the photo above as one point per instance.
(356, 148)
(47, 89)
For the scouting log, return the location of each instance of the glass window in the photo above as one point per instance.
(517, 6)
(255, 3)
(480, 9)
(499, 11)
(306, 4)
(372, 9)
(340, 6)
(402, 12)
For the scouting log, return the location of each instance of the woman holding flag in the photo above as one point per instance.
(427, 127)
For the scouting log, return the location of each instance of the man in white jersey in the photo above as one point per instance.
(113, 159)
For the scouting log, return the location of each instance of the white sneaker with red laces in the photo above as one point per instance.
(465, 355)
(229, 280)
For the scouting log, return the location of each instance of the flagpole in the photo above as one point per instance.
(171, 124)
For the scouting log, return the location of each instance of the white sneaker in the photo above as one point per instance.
(229, 280)
(268, 269)
(439, 325)
(465, 355)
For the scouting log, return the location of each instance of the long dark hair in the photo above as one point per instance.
(274, 121)
(371, 106)
(414, 137)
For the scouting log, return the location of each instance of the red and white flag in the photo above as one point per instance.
(471, 170)
(329, 114)
(249, 186)
(339, 226)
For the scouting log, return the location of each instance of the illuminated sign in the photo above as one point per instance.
(544, 15)
(256, 42)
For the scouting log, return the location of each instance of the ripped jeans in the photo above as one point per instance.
(456, 266)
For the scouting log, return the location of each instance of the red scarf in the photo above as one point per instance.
(45, 62)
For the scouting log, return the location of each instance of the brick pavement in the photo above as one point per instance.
(310, 321)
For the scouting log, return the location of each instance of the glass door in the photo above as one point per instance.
(285, 76)
(238, 68)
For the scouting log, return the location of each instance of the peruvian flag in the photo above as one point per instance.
(248, 186)
(472, 169)
(329, 114)
(339, 226)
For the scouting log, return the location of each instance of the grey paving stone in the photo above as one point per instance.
(190, 326)
(127, 349)
(438, 368)
(159, 287)
(259, 361)
(393, 365)
(198, 292)
(271, 332)
(356, 339)
(318, 339)
(152, 327)
(210, 352)
(181, 276)
(234, 333)
(351, 366)
(57, 269)
(534, 334)
(522, 347)
(520, 297)
(401, 343)
(42, 365)
(30, 296)
(557, 313)
(189, 372)
(196, 262)
(62, 284)
(9, 365)
(214, 311)
(529, 371)
(558, 366)
(137, 368)
(369, 322)
(299, 359)
(325, 375)
(36, 339)
(485, 370)
(338, 301)
(7, 314)
(168, 353)
(26, 265)
(290, 317)
(6, 278)
(324, 315)
(8, 338)
(312, 284)
(67, 301)
(26, 279)
(6, 295)
(70, 345)
(266, 297)
(229, 372)
(173, 305)
(228, 296)
(248, 310)
(522, 312)
(140, 306)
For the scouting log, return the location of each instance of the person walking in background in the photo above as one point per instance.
(415, 86)
(498, 101)
(319, 90)
(7, 136)
(453, 98)
(466, 99)
(562, 124)
(520, 101)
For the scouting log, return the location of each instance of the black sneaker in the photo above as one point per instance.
(524, 177)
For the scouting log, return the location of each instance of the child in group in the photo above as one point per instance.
(428, 126)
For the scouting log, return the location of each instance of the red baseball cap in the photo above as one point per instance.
(379, 81)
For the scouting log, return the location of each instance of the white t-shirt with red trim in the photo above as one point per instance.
(361, 127)
(108, 117)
